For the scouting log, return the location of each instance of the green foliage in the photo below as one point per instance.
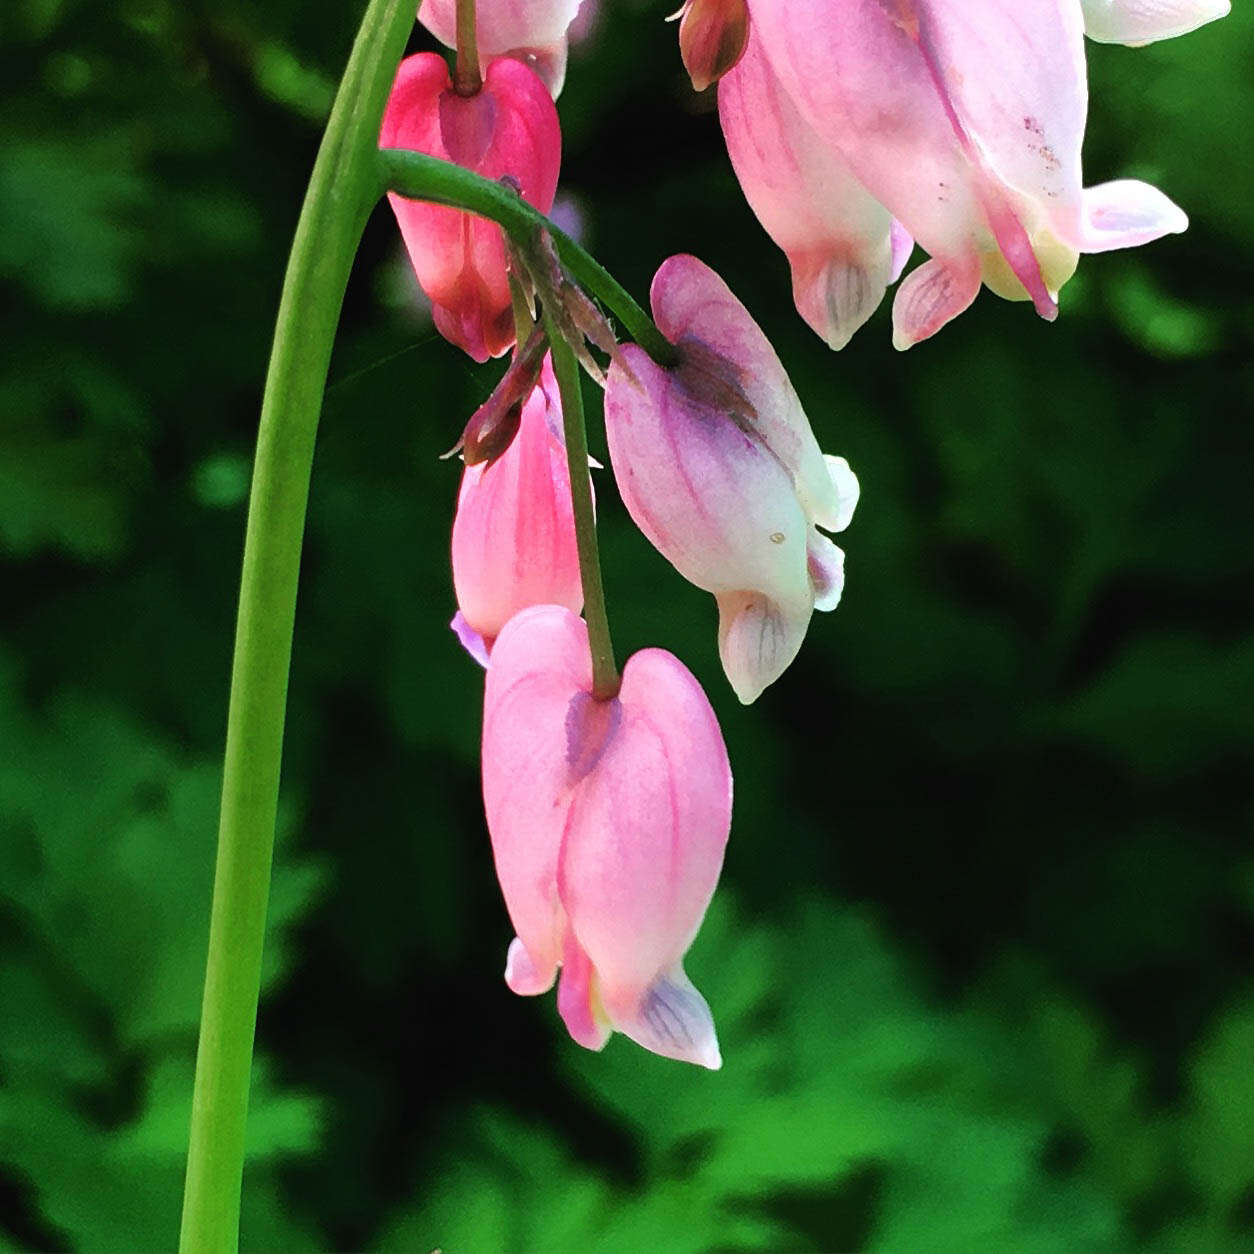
(101, 978)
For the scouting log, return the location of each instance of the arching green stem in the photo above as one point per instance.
(342, 191)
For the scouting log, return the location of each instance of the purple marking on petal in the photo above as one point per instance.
(471, 640)
(590, 725)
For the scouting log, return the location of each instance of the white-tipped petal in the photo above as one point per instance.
(1126, 213)
(1136, 22)
(827, 571)
(673, 1020)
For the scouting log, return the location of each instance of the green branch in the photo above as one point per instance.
(419, 177)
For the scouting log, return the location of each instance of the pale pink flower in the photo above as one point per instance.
(964, 119)
(1145, 21)
(717, 465)
(514, 531)
(509, 127)
(532, 31)
(608, 822)
(842, 244)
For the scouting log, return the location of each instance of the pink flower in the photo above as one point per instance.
(717, 465)
(514, 531)
(964, 119)
(509, 127)
(1144, 21)
(608, 822)
(533, 31)
(842, 244)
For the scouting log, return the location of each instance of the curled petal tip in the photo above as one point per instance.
(673, 1020)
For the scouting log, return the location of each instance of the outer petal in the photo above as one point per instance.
(1144, 21)
(514, 531)
(837, 236)
(510, 127)
(717, 504)
(759, 636)
(539, 665)
(692, 304)
(643, 853)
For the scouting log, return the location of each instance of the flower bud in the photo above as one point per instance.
(608, 822)
(717, 465)
(712, 38)
(507, 129)
(514, 531)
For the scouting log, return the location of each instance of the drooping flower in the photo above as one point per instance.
(608, 822)
(713, 35)
(532, 31)
(509, 127)
(964, 119)
(842, 244)
(1146, 21)
(514, 531)
(717, 465)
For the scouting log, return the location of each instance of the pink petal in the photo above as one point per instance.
(539, 663)
(837, 236)
(509, 127)
(692, 303)
(645, 840)
(514, 532)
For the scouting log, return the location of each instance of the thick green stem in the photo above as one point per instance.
(419, 177)
(342, 190)
(605, 678)
(466, 77)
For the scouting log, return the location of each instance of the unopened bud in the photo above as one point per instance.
(713, 35)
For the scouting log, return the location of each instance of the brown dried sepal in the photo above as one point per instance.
(493, 426)
(713, 35)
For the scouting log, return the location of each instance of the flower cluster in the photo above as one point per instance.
(856, 129)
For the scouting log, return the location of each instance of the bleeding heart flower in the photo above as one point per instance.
(717, 465)
(964, 119)
(509, 128)
(608, 822)
(532, 31)
(842, 244)
(514, 531)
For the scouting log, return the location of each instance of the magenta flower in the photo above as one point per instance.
(842, 244)
(716, 463)
(510, 128)
(533, 31)
(514, 531)
(964, 119)
(608, 822)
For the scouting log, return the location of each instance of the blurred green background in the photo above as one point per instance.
(980, 957)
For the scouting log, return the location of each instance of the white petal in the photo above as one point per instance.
(1144, 21)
